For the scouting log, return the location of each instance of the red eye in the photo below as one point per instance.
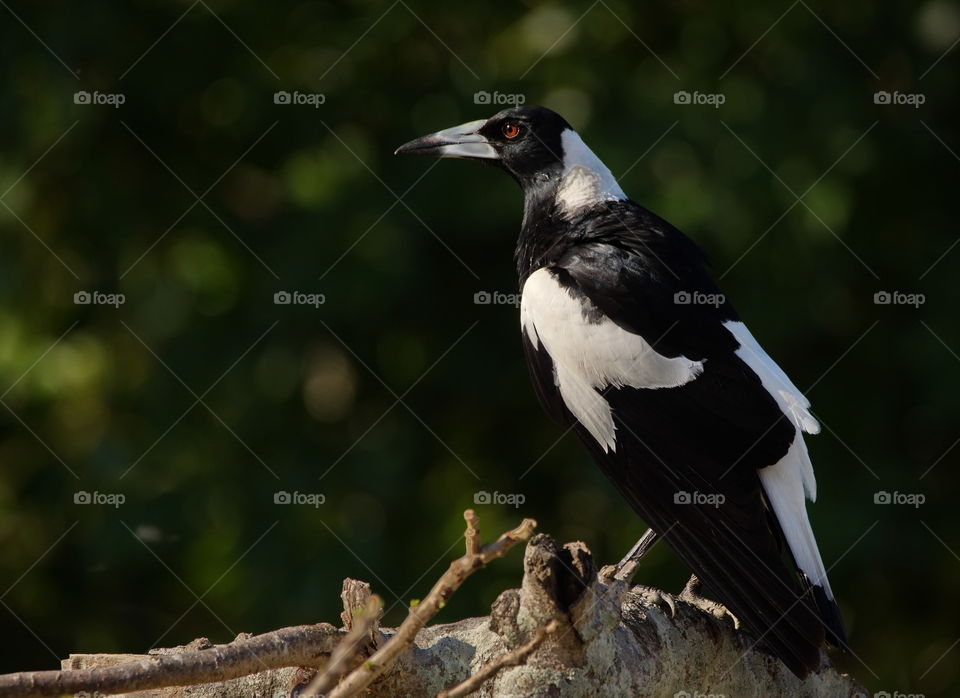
(511, 130)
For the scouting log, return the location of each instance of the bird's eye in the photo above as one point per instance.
(511, 130)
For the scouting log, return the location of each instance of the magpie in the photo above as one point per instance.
(630, 343)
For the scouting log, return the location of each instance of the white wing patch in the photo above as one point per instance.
(789, 479)
(784, 487)
(787, 395)
(586, 180)
(794, 405)
(592, 354)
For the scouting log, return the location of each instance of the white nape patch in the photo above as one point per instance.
(784, 487)
(586, 180)
(590, 356)
(789, 479)
(794, 405)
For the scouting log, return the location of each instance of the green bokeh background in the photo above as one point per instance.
(305, 399)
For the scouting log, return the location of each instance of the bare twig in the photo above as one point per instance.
(512, 658)
(346, 655)
(472, 533)
(420, 613)
(287, 647)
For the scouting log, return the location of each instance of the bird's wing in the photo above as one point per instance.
(681, 424)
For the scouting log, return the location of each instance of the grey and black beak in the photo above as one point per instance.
(461, 141)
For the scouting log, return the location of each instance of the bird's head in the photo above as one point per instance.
(535, 145)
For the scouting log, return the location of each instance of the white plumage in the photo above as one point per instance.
(585, 178)
(786, 481)
(589, 356)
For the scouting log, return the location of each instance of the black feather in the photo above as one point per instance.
(709, 436)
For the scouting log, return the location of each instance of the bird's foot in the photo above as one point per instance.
(654, 597)
(691, 594)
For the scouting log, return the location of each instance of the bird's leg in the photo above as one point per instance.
(627, 567)
(624, 570)
(691, 594)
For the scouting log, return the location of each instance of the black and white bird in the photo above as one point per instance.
(630, 342)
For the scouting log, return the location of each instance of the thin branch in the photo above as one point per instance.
(303, 645)
(421, 613)
(508, 659)
(346, 654)
(472, 534)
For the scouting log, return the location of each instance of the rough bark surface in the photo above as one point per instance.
(610, 641)
(574, 633)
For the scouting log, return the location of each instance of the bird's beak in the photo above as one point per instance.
(461, 141)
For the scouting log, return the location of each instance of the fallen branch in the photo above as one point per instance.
(420, 613)
(287, 647)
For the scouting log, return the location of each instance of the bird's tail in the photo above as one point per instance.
(830, 615)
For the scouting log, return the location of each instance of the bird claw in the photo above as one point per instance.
(655, 597)
(691, 595)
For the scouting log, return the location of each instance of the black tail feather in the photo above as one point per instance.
(830, 615)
